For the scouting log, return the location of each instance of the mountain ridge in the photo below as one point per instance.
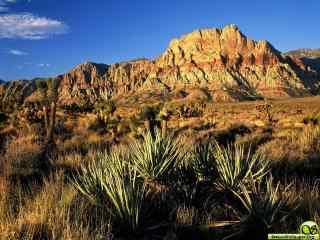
(226, 62)
(223, 60)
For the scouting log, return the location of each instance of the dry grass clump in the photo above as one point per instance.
(22, 155)
(51, 214)
(186, 216)
(294, 153)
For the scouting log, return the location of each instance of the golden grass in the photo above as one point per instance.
(54, 210)
(48, 215)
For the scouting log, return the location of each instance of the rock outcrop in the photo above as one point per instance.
(224, 61)
(308, 58)
(15, 92)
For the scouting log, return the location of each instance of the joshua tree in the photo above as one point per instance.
(164, 116)
(49, 97)
(105, 110)
(148, 114)
(268, 113)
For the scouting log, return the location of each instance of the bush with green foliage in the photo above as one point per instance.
(110, 181)
(312, 119)
(104, 110)
(189, 110)
(236, 166)
(156, 156)
(203, 161)
(265, 205)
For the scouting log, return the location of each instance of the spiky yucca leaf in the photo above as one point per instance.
(236, 166)
(109, 179)
(203, 162)
(156, 155)
(264, 204)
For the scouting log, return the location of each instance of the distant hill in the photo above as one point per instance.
(309, 57)
(305, 52)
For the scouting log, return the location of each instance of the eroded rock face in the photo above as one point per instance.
(224, 61)
(226, 47)
(15, 92)
(107, 80)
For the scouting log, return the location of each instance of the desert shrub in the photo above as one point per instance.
(203, 161)
(312, 119)
(265, 205)
(104, 110)
(267, 111)
(296, 153)
(123, 128)
(180, 94)
(309, 140)
(156, 156)
(148, 114)
(186, 216)
(44, 213)
(23, 152)
(164, 116)
(236, 166)
(189, 110)
(304, 199)
(81, 108)
(134, 124)
(110, 181)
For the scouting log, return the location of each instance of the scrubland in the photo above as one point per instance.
(196, 170)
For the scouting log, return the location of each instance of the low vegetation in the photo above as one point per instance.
(153, 174)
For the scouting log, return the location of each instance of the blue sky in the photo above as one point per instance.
(49, 37)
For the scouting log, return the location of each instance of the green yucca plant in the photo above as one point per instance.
(235, 166)
(110, 179)
(156, 155)
(203, 162)
(265, 205)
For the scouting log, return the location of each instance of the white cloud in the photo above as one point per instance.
(44, 65)
(17, 52)
(29, 26)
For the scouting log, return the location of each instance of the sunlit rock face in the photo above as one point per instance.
(224, 61)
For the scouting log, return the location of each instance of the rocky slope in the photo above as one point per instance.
(223, 61)
(15, 92)
(305, 52)
(309, 57)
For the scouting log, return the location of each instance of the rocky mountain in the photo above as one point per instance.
(305, 52)
(309, 57)
(16, 91)
(223, 61)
